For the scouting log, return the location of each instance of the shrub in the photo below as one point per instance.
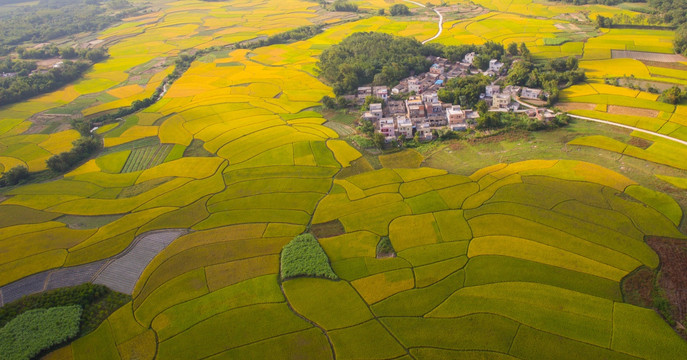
(304, 256)
(399, 10)
(34, 331)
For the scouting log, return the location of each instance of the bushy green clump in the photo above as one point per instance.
(36, 330)
(304, 256)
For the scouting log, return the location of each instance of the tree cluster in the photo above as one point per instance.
(464, 90)
(550, 75)
(370, 57)
(67, 52)
(500, 120)
(672, 96)
(298, 34)
(83, 148)
(382, 59)
(97, 301)
(51, 19)
(21, 68)
(14, 176)
(17, 88)
(399, 10)
(343, 5)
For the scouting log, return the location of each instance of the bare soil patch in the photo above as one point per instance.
(47, 63)
(640, 143)
(664, 289)
(638, 286)
(41, 121)
(624, 110)
(328, 229)
(673, 272)
(674, 66)
(567, 106)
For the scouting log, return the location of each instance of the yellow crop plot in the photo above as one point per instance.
(233, 153)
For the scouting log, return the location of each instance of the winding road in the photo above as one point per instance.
(441, 21)
(614, 124)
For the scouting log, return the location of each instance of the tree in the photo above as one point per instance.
(513, 49)
(379, 140)
(482, 107)
(14, 175)
(604, 22)
(491, 120)
(342, 102)
(68, 52)
(523, 50)
(680, 41)
(399, 10)
(380, 12)
(672, 95)
(482, 62)
(328, 102)
(366, 127)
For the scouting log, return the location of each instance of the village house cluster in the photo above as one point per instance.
(423, 113)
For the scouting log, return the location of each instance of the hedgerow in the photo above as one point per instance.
(304, 256)
(33, 331)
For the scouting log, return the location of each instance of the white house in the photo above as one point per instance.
(469, 58)
(495, 65)
(529, 93)
(490, 90)
(376, 110)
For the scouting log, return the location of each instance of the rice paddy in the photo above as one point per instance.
(519, 260)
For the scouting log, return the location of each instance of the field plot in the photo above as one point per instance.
(146, 157)
(473, 255)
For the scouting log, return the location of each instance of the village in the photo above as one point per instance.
(422, 114)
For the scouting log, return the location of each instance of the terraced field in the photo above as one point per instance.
(518, 260)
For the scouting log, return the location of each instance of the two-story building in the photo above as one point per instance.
(404, 127)
(387, 128)
(500, 101)
(376, 110)
(455, 117)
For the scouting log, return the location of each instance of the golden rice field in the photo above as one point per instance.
(516, 261)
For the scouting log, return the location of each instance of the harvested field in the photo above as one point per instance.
(673, 273)
(641, 55)
(567, 106)
(624, 110)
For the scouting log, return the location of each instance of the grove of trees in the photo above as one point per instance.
(52, 19)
